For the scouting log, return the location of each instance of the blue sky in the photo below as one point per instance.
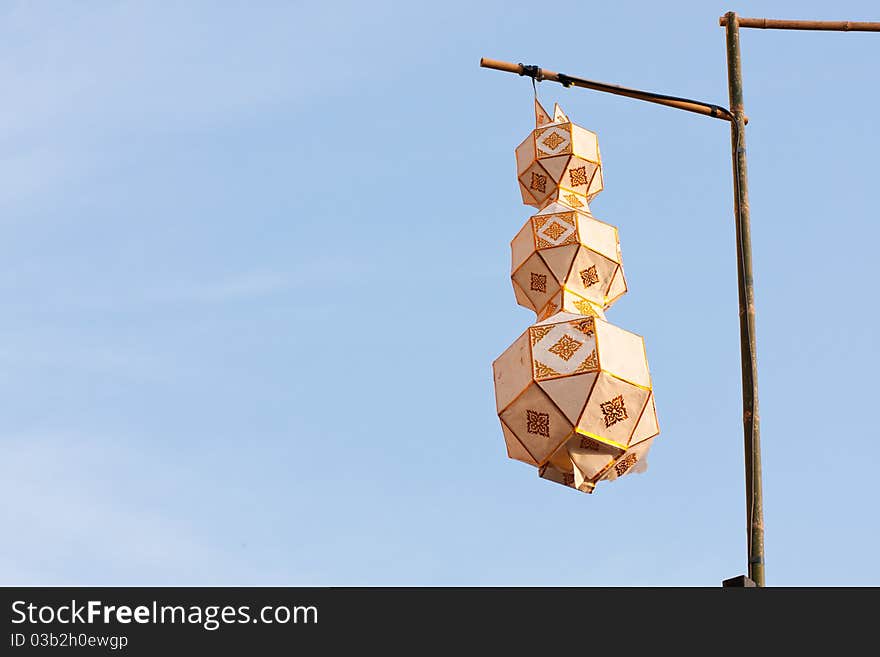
(254, 266)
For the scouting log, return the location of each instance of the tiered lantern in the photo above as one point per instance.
(573, 392)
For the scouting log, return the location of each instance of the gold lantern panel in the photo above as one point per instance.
(558, 160)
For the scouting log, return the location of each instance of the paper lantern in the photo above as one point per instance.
(566, 259)
(558, 160)
(573, 392)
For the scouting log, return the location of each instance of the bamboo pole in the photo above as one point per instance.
(696, 106)
(781, 24)
(748, 355)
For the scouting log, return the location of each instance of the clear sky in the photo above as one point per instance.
(254, 271)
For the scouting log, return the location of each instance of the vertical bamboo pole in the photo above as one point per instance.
(751, 421)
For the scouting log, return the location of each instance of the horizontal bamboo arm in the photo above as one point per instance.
(686, 104)
(777, 24)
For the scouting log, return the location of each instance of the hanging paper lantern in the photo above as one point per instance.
(565, 259)
(573, 393)
(558, 160)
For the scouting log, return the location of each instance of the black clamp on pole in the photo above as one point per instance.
(563, 79)
(532, 71)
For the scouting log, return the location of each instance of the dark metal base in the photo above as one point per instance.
(739, 580)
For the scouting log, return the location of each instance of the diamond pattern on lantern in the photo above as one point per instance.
(588, 265)
(534, 284)
(614, 411)
(539, 182)
(536, 185)
(566, 347)
(553, 140)
(555, 346)
(578, 176)
(538, 423)
(555, 230)
(539, 283)
(573, 392)
(589, 276)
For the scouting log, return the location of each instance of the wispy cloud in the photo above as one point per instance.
(77, 511)
(81, 81)
(313, 278)
(29, 172)
(244, 285)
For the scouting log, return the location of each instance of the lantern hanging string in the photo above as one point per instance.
(533, 72)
